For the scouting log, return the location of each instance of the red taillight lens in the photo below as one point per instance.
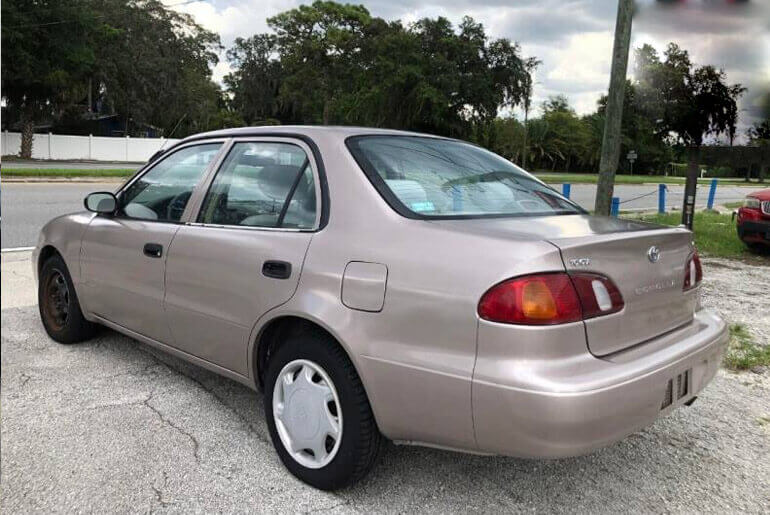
(542, 299)
(547, 299)
(598, 295)
(693, 273)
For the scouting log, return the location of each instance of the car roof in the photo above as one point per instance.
(304, 130)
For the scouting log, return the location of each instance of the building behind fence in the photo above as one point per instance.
(95, 148)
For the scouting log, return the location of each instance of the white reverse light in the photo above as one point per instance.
(602, 295)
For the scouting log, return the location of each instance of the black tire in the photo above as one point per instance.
(361, 439)
(58, 304)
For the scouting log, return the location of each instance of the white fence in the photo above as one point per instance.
(96, 148)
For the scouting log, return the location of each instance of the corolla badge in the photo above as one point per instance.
(653, 254)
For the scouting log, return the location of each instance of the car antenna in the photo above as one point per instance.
(162, 149)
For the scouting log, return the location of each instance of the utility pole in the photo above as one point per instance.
(614, 112)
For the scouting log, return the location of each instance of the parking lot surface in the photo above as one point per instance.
(113, 426)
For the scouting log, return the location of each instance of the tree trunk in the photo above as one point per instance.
(691, 186)
(27, 133)
(326, 113)
(614, 112)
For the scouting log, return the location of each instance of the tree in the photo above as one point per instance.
(759, 133)
(530, 65)
(153, 65)
(256, 78)
(333, 63)
(48, 53)
(638, 132)
(688, 102)
(318, 47)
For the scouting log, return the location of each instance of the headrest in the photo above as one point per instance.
(255, 160)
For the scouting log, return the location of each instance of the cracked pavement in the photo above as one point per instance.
(114, 426)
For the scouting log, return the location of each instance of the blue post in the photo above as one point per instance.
(615, 209)
(565, 189)
(661, 198)
(712, 193)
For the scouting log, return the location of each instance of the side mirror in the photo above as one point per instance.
(101, 202)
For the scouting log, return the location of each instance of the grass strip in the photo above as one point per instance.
(743, 353)
(715, 234)
(67, 172)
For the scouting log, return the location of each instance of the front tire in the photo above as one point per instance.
(319, 417)
(59, 306)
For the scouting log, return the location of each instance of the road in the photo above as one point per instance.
(26, 207)
(113, 426)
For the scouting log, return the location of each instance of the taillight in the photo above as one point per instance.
(598, 295)
(693, 273)
(552, 298)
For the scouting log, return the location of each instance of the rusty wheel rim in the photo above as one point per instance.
(57, 301)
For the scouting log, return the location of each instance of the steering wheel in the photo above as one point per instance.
(176, 207)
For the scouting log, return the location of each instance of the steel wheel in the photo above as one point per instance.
(307, 413)
(57, 300)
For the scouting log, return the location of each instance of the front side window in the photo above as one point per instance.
(262, 184)
(431, 177)
(162, 193)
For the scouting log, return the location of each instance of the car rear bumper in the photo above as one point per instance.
(604, 400)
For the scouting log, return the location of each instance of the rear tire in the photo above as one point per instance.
(317, 356)
(58, 304)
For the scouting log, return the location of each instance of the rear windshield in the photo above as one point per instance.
(430, 177)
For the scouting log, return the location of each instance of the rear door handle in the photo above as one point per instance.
(154, 250)
(276, 269)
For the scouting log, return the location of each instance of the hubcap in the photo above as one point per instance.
(57, 297)
(307, 413)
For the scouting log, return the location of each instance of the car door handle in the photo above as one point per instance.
(154, 250)
(276, 269)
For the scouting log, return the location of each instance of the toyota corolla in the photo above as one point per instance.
(382, 284)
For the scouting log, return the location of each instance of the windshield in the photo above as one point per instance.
(430, 177)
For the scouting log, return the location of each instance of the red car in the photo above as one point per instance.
(754, 219)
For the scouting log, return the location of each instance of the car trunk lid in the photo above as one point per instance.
(617, 248)
(648, 268)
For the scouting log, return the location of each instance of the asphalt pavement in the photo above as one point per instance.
(27, 206)
(114, 426)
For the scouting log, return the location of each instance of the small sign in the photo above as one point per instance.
(631, 156)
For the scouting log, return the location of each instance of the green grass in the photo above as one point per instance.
(743, 353)
(715, 234)
(733, 205)
(67, 172)
(591, 178)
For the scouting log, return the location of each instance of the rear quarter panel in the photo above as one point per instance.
(416, 356)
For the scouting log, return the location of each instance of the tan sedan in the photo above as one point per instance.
(379, 284)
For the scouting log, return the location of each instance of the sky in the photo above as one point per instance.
(573, 38)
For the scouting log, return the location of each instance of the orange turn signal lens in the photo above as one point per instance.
(537, 301)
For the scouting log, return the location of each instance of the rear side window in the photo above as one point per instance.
(262, 184)
(431, 177)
